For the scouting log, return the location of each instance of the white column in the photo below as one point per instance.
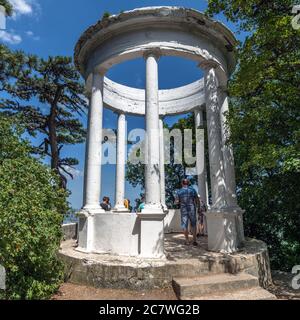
(92, 177)
(214, 139)
(94, 146)
(224, 223)
(152, 217)
(201, 163)
(121, 162)
(229, 168)
(227, 151)
(162, 164)
(152, 167)
(201, 166)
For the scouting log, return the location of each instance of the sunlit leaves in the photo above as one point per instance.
(264, 118)
(31, 207)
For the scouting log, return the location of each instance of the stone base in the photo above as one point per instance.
(152, 234)
(120, 209)
(111, 271)
(143, 233)
(120, 233)
(225, 230)
(172, 222)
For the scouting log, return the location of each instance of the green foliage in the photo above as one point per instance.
(8, 7)
(174, 173)
(106, 15)
(264, 119)
(31, 203)
(48, 96)
(12, 64)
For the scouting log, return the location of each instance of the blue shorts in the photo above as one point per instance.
(188, 213)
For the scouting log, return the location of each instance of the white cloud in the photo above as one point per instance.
(10, 37)
(31, 35)
(21, 6)
(24, 7)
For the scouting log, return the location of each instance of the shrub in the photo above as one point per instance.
(31, 206)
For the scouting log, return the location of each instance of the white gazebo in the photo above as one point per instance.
(151, 33)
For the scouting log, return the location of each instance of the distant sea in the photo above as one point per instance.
(71, 217)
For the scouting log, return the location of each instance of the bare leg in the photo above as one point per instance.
(201, 229)
(186, 235)
(198, 229)
(195, 234)
(190, 229)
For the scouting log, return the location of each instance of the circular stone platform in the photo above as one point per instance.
(108, 271)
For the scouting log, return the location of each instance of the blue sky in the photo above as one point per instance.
(52, 27)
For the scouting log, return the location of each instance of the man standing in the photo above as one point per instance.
(188, 199)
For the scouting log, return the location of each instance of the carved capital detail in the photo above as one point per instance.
(208, 64)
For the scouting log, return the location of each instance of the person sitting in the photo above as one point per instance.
(127, 205)
(130, 208)
(142, 204)
(105, 205)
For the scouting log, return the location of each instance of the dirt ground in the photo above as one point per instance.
(70, 291)
(282, 286)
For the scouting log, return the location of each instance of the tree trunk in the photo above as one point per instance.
(52, 125)
(53, 138)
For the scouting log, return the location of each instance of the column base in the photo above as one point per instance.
(120, 209)
(91, 210)
(109, 233)
(165, 208)
(86, 228)
(225, 229)
(152, 234)
(153, 209)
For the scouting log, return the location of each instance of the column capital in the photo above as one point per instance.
(155, 52)
(97, 80)
(208, 64)
(101, 71)
(119, 113)
(198, 109)
(199, 121)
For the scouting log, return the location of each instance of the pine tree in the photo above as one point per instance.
(49, 98)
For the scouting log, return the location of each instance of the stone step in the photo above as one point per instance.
(213, 284)
(245, 294)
